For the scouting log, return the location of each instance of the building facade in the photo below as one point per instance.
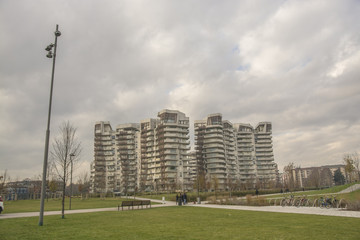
(165, 147)
(150, 156)
(116, 158)
(313, 176)
(154, 155)
(235, 153)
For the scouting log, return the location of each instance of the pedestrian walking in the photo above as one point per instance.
(177, 199)
(185, 198)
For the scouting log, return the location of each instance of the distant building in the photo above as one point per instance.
(313, 176)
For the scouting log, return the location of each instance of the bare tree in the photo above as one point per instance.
(314, 178)
(215, 184)
(83, 183)
(288, 170)
(3, 180)
(65, 144)
(349, 165)
(326, 177)
(356, 159)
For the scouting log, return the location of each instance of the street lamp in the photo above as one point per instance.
(46, 153)
(72, 155)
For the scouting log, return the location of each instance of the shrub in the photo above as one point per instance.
(248, 200)
(354, 206)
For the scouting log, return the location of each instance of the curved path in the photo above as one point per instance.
(351, 189)
(279, 209)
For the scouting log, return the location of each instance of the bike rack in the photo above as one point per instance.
(341, 201)
(314, 204)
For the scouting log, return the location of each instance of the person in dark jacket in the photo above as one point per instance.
(185, 198)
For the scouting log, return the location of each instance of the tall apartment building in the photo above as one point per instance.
(127, 157)
(235, 153)
(116, 158)
(265, 165)
(245, 140)
(103, 167)
(255, 154)
(154, 155)
(149, 156)
(164, 150)
(215, 150)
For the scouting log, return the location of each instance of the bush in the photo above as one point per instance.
(249, 200)
(354, 206)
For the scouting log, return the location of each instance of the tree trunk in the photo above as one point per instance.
(63, 196)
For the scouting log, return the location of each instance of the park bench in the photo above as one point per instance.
(137, 203)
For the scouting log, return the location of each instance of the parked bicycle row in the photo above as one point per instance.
(303, 201)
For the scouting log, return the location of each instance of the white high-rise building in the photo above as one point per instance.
(154, 155)
(235, 153)
(116, 158)
(215, 150)
(150, 156)
(265, 165)
(164, 149)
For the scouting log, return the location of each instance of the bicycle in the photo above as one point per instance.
(334, 202)
(325, 202)
(287, 201)
(302, 202)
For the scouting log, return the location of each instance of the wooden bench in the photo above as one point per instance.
(137, 203)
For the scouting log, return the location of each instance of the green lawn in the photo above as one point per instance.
(182, 223)
(205, 195)
(55, 204)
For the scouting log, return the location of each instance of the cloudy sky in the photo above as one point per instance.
(294, 63)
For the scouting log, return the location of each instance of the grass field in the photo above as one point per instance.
(192, 195)
(55, 204)
(182, 223)
(329, 191)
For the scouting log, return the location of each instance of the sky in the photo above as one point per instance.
(293, 63)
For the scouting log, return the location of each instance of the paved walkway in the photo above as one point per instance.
(279, 209)
(48, 213)
(350, 189)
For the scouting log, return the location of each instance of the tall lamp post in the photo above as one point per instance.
(72, 155)
(46, 153)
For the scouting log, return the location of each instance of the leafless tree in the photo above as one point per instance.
(314, 178)
(83, 183)
(215, 184)
(349, 165)
(326, 178)
(64, 144)
(288, 170)
(231, 184)
(4, 178)
(356, 159)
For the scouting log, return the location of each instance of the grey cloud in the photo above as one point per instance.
(293, 63)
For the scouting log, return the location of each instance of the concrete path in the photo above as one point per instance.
(48, 213)
(350, 189)
(279, 209)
